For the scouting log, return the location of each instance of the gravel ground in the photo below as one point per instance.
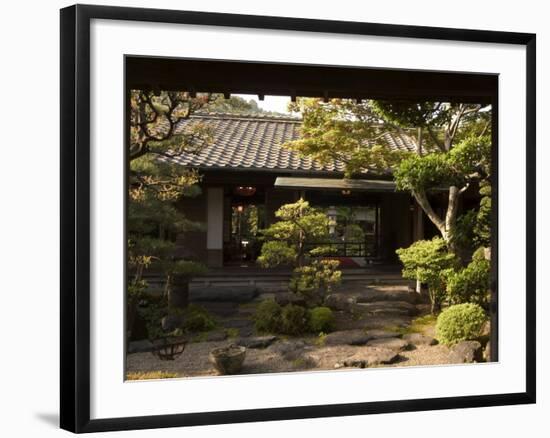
(194, 361)
(305, 353)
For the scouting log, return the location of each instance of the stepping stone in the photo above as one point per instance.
(381, 334)
(370, 322)
(347, 337)
(234, 294)
(466, 352)
(388, 308)
(369, 357)
(419, 339)
(394, 344)
(257, 342)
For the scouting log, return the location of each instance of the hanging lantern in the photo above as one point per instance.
(245, 190)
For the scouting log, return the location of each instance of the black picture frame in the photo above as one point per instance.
(75, 217)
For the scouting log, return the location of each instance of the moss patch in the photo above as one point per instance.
(148, 375)
(232, 332)
(418, 325)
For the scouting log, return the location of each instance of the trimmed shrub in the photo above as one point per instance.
(460, 322)
(321, 319)
(293, 320)
(197, 319)
(430, 262)
(268, 317)
(471, 284)
(315, 281)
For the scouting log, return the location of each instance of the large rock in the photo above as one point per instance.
(339, 301)
(235, 294)
(419, 339)
(466, 352)
(387, 308)
(347, 337)
(285, 298)
(369, 357)
(394, 344)
(257, 342)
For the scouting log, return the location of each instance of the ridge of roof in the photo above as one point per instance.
(256, 117)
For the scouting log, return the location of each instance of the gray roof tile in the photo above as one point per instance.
(255, 142)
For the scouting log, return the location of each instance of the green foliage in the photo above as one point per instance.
(185, 268)
(267, 318)
(316, 281)
(277, 253)
(460, 322)
(136, 289)
(430, 262)
(338, 130)
(294, 320)
(298, 225)
(482, 227)
(463, 235)
(152, 310)
(235, 105)
(197, 319)
(321, 319)
(420, 173)
(232, 333)
(406, 114)
(471, 284)
(469, 160)
(452, 145)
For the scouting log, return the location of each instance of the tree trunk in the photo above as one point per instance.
(450, 217)
(178, 294)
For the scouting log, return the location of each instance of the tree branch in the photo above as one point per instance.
(424, 203)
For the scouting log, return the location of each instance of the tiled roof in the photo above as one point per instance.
(255, 142)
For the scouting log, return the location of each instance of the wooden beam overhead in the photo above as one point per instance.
(308, 80)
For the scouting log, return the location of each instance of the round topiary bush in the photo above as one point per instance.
(293, 320)
(321, 319)
(460, 322)
(268, 317)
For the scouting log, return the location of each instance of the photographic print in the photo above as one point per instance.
(345, 209)
(272, 233)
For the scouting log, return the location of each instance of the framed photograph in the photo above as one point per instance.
(269, 218)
